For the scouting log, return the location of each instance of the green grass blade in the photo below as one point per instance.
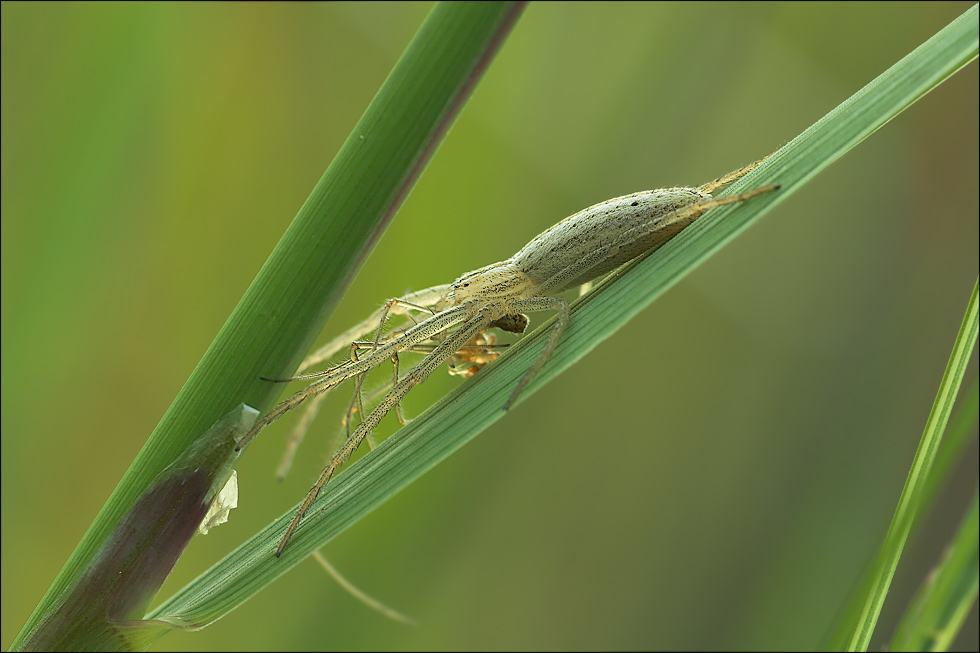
(462, 414)
(957, 438)
(290, 299)
(943, 602)
(910, 503)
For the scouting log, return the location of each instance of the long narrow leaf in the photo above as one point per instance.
(910, 502)
(949, 592)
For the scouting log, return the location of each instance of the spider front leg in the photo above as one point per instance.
(312, 408)
(416, 375)
(428, 300)
(418, 301)
(331, 378)
(473, 357)
(356, 405)
(357, 401)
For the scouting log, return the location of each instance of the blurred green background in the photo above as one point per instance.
(154, 153)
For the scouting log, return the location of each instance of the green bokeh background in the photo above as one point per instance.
(753, 427)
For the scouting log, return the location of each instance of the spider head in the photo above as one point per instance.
(489, 284)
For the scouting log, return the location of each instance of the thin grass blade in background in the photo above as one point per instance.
(910, 503)
(943, 602)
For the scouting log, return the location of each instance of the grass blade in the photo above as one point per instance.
(910, 503)
(943, 602)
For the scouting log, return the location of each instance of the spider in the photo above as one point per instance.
(577, 250)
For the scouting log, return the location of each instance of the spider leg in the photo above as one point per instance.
(297, 434)
(394, 382)
(421, 300)
(413, 301)
(535, 304)
(731, 176)
(312, 408)
(360, 379)
(416, 375)
(356, 401)
(476, 360)
(335, 376)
